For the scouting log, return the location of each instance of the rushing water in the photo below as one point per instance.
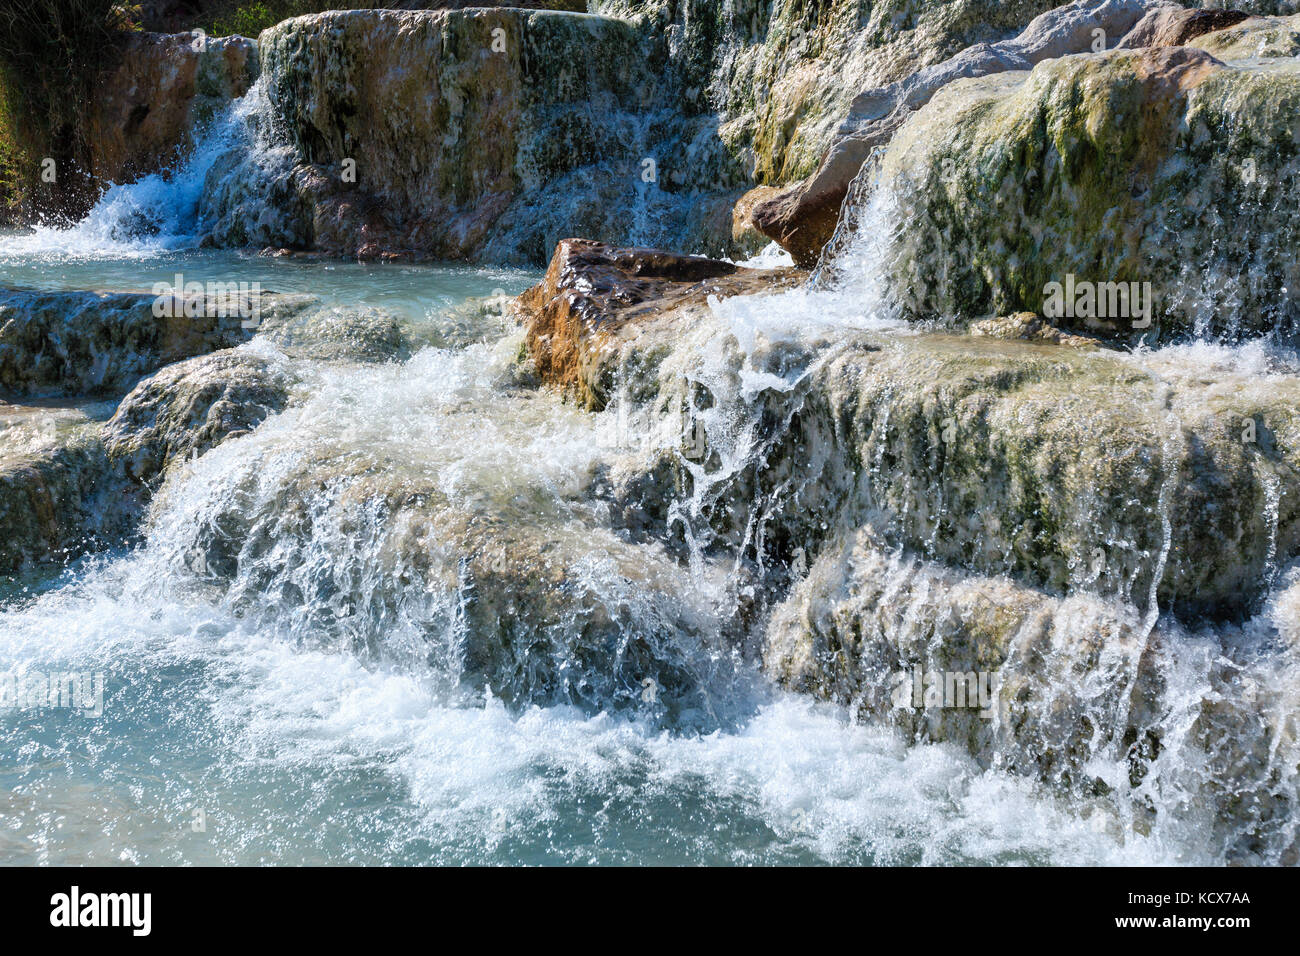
(316, 699)
(297, 747)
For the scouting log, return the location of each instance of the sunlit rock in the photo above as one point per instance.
(803, 218)
(58, 498)
(189, 407)
(592, 292)
(1256, 37)
(1131, 195)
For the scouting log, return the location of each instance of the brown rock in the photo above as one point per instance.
(742, 214)
(803, 218)
(592, 289)
(160, 94)
(1174, 26)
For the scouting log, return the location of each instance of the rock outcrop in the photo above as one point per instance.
(998, 456)
(56, 498)
(542, 104)
(98, 343)
(804, 218)
(77, 474)
(592, 292)
(480, 134)
(1256, 37)
(190, 407)
(1152, 189)
(166, 89)
(1016, 502)
(1175, 26)
(150, 109)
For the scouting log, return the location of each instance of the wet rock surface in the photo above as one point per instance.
(95, 343)
(803, 218)
(55, 501)
(73, 485)
(592, 290)
(507, 109)
(1095, 172)
(166, 90)
(190, 407)
(1012, 501)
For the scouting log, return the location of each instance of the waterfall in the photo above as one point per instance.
(427, 611)
(159, 213)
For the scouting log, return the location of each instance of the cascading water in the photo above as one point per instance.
(290, 651)
(397, 623)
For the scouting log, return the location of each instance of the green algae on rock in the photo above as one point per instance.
(1162, 167)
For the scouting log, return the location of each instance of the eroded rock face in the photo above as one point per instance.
(649, 121)
(997, 456)
(1162, 167)
(69, 485)
(479, 134)
(804, 218)
(1072, 690)
(165, 90)
(536, 608)
(1016, 502)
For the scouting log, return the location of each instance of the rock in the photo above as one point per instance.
(743, 228)
(190, 407)
(1175, 26)
(69, 486)
(999, 457)
(1064, 520)
(150, 109)
(505, 108)
(100, 343)
(163, 92)
(1161, 167)
(803, 218)
(1027, 327)
(1071, 691)
(764, 86)
(866, 616)
(592, 290)
(536, 609)
(1256, 37)
(60, 500)
(572, 106)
